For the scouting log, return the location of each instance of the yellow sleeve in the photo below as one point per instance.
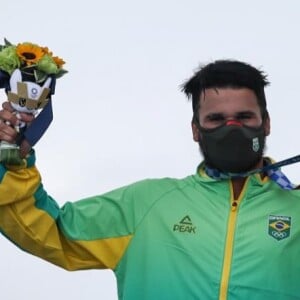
(29, 217)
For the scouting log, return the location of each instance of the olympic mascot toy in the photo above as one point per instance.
(28, 73)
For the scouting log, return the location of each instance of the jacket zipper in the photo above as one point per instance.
(230, 241)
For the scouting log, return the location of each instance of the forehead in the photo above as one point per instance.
(228, 100)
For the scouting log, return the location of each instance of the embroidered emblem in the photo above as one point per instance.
(185, 225)
(279, 227)
(255, 144)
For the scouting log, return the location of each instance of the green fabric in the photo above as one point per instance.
(179, 230)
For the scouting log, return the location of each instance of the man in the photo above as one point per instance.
(223, 233)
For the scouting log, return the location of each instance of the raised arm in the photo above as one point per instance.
(92, 233)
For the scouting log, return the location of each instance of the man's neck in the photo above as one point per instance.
(238, 183)
(237, 186)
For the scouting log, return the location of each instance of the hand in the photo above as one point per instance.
(8, 121)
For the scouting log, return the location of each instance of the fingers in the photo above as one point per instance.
(24, 117)
(7, 106)
(24, 148)
(10, 121)
(8, 115)
(8, 118)
(7, 133)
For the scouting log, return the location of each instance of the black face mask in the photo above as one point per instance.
(232, 148)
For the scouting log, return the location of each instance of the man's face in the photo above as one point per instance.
(236, 151)
(218, 105)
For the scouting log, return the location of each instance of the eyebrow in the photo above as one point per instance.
(215, 116)
(219, 115)
(245, 112)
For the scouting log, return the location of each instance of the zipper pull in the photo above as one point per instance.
(234, 205)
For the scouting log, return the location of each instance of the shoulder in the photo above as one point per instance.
(149, 190)
(156, 187)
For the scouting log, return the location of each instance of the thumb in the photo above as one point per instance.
(24, 148)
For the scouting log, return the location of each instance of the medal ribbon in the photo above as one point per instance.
(272, 170)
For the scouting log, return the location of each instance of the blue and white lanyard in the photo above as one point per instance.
(272, 170)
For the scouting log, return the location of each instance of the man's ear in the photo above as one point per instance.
(267, 125)
(195, 131)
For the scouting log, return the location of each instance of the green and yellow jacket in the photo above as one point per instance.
(165, 239)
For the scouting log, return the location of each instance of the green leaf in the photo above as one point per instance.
(60, 73)
(40, 76)
(7, 43)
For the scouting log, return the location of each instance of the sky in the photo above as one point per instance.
(120, 115)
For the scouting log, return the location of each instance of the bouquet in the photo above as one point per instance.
(28, 73)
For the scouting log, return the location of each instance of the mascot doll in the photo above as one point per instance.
(28, 73)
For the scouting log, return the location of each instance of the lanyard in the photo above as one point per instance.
(272, 170)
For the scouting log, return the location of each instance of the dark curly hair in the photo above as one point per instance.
(226, 73)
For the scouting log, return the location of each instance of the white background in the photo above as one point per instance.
(119, 112)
